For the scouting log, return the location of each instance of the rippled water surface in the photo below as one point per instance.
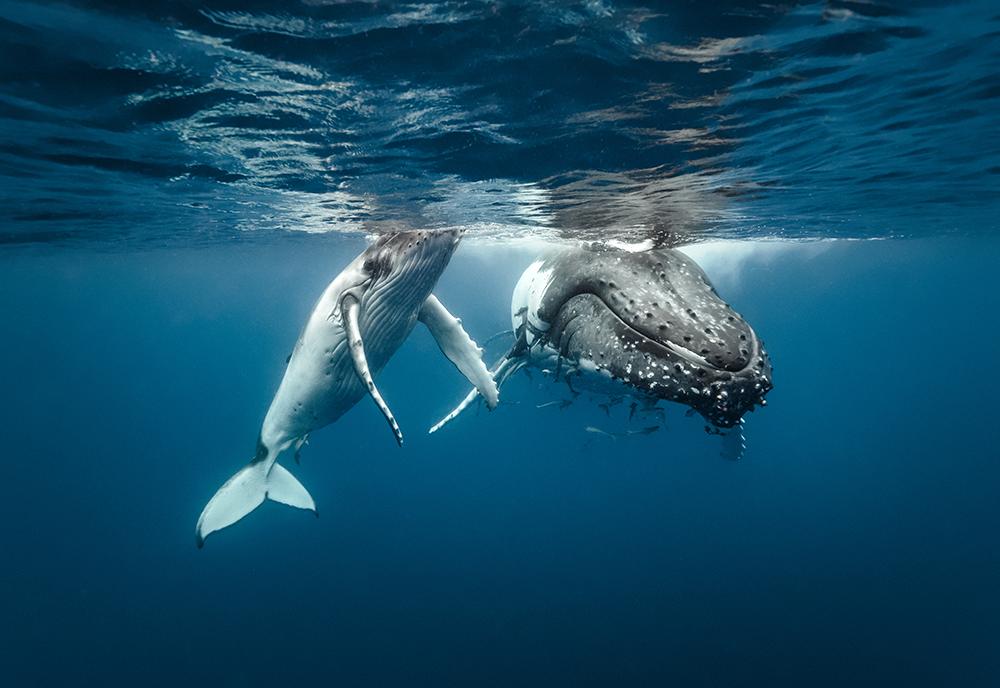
(187, 123)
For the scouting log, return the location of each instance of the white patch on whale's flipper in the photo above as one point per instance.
(459, 347)
(247, 490)
(356, 345)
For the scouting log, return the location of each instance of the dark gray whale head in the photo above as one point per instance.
(653, 321)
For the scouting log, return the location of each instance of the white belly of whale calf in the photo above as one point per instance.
(359, 322)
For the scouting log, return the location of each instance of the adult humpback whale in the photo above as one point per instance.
(645, 324)
(359, 322)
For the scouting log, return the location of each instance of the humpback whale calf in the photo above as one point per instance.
(648, 325)
(359, 322)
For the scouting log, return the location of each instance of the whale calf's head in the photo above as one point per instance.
(402, 268)
(653, 321)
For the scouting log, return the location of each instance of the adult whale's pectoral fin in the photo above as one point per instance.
(350, 308)
(464, 404)
(733, 442)
(459, 347)
(503, 370)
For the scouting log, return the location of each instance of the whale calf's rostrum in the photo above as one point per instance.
(645, 324)
(359, 322)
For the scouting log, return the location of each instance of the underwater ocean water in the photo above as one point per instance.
(179, 183)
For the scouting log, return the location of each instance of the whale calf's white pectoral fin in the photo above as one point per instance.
(247, 490)
(351, 307)
(459, 347)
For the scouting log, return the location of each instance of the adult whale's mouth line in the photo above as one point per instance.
(669, 346)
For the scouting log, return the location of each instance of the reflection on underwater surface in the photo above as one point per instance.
(160, 122)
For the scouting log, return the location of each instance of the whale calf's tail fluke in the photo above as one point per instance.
(247, 490)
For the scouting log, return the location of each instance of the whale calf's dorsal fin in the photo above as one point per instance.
(350, 308)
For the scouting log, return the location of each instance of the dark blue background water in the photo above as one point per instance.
(179, 182)
(855, 544)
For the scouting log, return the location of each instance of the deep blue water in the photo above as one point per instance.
(179, 182)
(854, 545)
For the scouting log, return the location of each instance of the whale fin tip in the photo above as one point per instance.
(734, 444)
(459, 348)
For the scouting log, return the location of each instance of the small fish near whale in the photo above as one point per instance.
(647, 325)
(359, 322)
